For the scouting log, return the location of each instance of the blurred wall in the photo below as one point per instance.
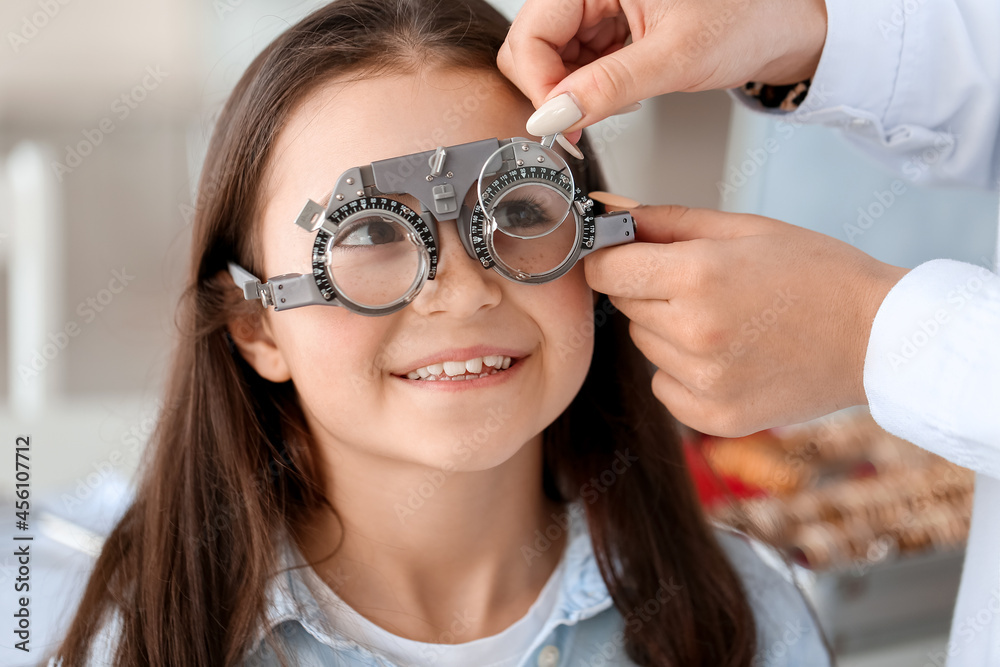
(812, 177)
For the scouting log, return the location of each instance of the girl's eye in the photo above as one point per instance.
(372, 232)
(520, 214)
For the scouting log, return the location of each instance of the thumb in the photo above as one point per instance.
(667, 224)
(615, 81)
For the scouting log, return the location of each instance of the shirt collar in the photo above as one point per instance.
(581, 593)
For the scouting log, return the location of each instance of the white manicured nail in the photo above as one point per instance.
(569, 146)
(554, 116)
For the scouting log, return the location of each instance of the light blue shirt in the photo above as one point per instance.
(584, 628)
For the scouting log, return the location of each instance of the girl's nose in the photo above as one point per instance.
(461, 286)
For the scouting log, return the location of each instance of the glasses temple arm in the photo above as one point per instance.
(251, 285)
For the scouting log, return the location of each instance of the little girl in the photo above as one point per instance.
(480, 477)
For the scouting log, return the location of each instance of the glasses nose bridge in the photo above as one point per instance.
(440, 178)
(462, 287)
(463, 227)
(443, 180)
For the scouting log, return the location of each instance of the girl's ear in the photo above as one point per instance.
(253, 338)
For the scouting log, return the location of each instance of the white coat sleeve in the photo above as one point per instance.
(932, 370)
(913, 83)
(916, 85)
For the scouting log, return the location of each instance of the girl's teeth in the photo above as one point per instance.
(454, 367)
(461, 370)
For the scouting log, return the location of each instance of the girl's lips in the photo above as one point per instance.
(485, 379)
(459, 361)
(463, 369)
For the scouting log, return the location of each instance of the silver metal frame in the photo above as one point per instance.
(440, 180)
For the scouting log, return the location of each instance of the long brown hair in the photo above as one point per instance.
(186, 568)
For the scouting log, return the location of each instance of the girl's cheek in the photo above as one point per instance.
(568, 312)
(576, 293)
(328, 344)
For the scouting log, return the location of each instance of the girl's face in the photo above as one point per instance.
(351, 371)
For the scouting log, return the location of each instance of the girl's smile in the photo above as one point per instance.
(464, 364)
(408, 385)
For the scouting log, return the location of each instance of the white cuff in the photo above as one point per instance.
(857, 71)
(932, 369)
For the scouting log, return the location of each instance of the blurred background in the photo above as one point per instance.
(106, 107)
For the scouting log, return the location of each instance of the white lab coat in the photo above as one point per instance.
(916, 84)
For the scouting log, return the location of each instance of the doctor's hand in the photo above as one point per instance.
(751, 322)
(578, 47)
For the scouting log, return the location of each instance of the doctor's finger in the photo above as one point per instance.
(653, 315)
(677, 343)
(659, 350)
(698, 409)
(638, 271)
(671, 223)
(687, 407)
(531, 55)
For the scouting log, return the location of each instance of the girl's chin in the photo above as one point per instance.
(482, 445)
